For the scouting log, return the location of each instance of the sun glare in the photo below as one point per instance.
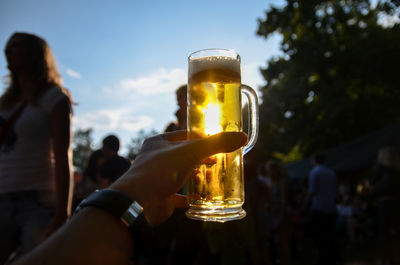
(212, 115)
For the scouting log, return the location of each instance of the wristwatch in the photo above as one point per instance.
(116, 203)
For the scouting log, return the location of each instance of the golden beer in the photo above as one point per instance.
(216, 187)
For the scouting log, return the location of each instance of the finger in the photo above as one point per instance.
(182, 135)
(196, 135)
(225, 142)
(180, 201)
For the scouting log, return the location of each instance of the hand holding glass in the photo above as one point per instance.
(216, 187)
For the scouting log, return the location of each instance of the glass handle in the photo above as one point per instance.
(253, 117)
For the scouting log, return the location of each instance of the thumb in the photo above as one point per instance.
(224, 142)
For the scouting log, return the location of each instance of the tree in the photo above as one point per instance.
(337, 78)
(136, 142)
(82, 148)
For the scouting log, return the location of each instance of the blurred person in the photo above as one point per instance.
(112, 169)
(385, 192)
(181, 113)
(295, 229)
(90, 175)
(277, 182)
(346, 217)
(181, 116)
(92, 179)
(322, 189)
(98, 234)
(35, 173)
(361, 219)
(257, 204)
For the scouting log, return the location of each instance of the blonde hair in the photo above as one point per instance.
(42, 66)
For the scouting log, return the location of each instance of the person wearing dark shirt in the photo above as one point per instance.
(322, 186)
(112, 169)
(92, 178)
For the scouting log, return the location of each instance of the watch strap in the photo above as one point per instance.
(114, 202)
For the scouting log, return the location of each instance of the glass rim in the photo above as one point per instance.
(214, 52)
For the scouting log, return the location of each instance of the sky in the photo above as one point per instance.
(123, 60)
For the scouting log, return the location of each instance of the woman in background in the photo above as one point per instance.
(35, 176)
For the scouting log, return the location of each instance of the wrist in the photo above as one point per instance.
(115, 203)
(133, 189)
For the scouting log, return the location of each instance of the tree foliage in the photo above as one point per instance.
(136, 142)
(82, 148)
(337, 79)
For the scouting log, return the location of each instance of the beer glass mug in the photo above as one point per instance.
(216, 187)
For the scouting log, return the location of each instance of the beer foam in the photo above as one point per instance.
(213, 62)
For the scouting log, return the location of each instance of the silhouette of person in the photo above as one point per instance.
(181, 113)
(35, 177)
(385, 192)
(322, 188)
(92, 178)
(112, 169)
(181, 116)
(257, 202)
(278, 178)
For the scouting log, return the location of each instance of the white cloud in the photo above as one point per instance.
(112, 120)
(73, 73)
(141, 102)
(164, 81)
(157, 82)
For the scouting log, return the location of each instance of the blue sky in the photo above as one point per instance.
(123, 60)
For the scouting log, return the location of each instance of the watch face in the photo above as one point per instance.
(132, 213)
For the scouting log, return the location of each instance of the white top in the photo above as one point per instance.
(27, 159)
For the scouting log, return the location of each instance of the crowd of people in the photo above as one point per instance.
(36, 191)
(346, 218)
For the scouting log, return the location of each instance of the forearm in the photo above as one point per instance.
(61, 130)
(93, 236)
(64, 187)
